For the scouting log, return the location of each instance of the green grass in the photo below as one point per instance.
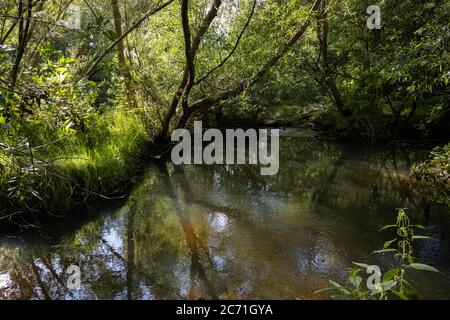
(78, 167)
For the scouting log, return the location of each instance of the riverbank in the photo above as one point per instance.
(434, 173)
(432, 176)
(73, 168)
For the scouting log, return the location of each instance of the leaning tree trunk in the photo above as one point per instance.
(188, 80)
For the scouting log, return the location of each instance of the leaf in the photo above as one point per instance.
(421, 266)
(400, 294)
(325, 289)
(69, 124)
(362, 265)
(387, 227)
(36, 194)
(391, 274)
(339, 287)
(2, 120)
(421, 237)
(388, 284)
(61, 77)
(385, 251)
(355, 281)
(111, 35)
(387, 244)
(419, 226)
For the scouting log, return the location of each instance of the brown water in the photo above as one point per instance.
(226, 232)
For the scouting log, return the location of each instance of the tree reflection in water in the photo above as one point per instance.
(226, 232)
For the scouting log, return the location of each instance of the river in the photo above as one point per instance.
(202, 232)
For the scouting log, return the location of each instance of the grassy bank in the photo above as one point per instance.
(64, 169)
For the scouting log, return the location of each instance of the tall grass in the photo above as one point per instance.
(71, 168)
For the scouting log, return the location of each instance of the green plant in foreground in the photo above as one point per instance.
(393, 283)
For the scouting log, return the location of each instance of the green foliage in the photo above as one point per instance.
(435, 174)
(394, 283)
(74, 167)
(437, 167)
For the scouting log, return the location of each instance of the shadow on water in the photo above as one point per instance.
(208, 232)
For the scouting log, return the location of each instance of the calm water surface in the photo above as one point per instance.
(226, 232)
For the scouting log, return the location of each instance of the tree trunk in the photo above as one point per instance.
(91, 69)
(191, 47)
(121, 54)
(24, 15)
(327, 72)
(186, 84)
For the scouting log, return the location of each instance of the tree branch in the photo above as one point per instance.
(191, 48)
(135, 25)
(221, 64)
(239, 88)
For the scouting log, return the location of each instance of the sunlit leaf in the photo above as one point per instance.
(421, 266)
(385, 251)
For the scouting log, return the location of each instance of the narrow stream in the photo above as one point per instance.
(193, 232)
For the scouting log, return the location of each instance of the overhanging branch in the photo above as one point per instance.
(239, 88)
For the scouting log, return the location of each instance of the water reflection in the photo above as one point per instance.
(226, 232)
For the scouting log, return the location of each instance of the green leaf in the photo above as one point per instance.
(391, 274)
(111, 35)
(388, 285)
(362, 265)
(421, 237)
(421, 266)
(387, 227)
(2, 120)
(355, 281)
(419, 226)
(387, 244)
(339, 287)
(400, 295)
(325, 289)
(385, 251)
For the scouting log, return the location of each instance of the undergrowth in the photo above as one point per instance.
(69, 167)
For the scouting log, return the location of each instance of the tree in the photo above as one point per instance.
(121, 53)
(184, 89)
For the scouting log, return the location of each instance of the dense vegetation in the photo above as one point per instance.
(80, 106)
